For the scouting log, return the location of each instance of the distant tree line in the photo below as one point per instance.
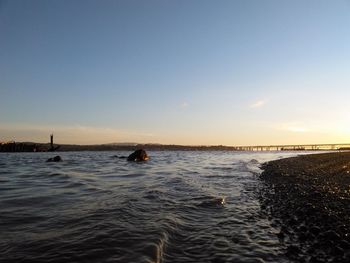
(41, 147)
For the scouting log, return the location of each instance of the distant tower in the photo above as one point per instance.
(51, 141)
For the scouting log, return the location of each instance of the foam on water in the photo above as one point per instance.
(176, 207)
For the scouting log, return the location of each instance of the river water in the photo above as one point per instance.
(180, 206)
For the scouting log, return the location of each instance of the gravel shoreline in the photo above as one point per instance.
(308, 198)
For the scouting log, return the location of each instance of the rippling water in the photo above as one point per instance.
(176, 207)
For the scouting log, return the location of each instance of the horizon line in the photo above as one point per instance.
(184, 145)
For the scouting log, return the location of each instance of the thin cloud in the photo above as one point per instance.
(294, 127)
(258, 104)
(184, 105)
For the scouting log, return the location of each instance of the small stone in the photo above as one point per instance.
(344, 244)
(314, 259)
(293, 251)
(280, 235)
(337, 251)
(315, 230)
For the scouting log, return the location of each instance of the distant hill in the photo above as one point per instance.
(43, 147)
(134, 146)
(121, 143)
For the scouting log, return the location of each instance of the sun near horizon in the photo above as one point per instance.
(174, 72)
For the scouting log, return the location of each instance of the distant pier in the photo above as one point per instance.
(296, 147)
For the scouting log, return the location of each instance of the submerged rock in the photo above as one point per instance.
(213, 202)
(55, 159)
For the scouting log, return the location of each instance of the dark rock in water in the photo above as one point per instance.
(55, 159)
(213, 202)
(120, 157)
(138, 155)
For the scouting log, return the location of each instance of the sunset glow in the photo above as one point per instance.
(200, 73)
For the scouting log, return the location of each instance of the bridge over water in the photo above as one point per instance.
(296, 147)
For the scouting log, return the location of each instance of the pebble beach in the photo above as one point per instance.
(308, 197)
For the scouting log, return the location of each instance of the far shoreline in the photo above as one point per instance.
(47, 147)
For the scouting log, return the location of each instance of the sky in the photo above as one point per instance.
(249, 72)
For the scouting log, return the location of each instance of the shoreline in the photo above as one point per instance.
(308, 198)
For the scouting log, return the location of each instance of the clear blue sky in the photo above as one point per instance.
(184, 72)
